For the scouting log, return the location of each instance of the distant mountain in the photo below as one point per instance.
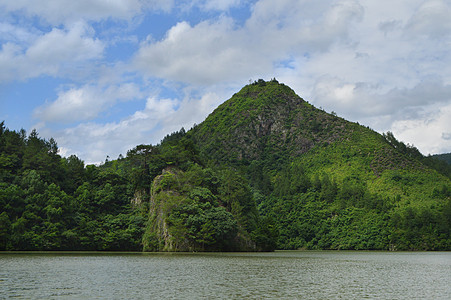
(445, 157)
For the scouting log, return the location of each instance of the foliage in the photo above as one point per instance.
(53, 203)
(201, 209)
(265, 170)
(444, 157)
(441, 163)
(328, 183)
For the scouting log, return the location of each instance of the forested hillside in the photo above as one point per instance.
(52, 203)
(329, 183)
(265, 170)
(446, 157)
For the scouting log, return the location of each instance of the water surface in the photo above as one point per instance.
(277, 275)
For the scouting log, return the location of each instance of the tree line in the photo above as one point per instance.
(49, 202)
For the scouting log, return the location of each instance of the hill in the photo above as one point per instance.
(158, 198)
(444, 157)
(330, 183)
(265, 170)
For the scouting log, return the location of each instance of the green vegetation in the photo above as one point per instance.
(53, 203)
(200, 209)
(446, 157)
(328, 183)
(265, 170)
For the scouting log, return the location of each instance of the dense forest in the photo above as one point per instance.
(445, 157)
(52, 203)
(266, 170)
(329, 183)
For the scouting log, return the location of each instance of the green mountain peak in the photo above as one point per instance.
(302, 161)
(267, 119)
(265, 170)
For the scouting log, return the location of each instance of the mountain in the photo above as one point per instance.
(265, 121)
(266, 170)
(329, 183)
(444, 157)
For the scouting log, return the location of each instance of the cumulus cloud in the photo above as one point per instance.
(418, 115)
(50, 53)
(432, 19)
(212, 51)
(203, 54)
(14, 34)
(74, 44)
(389, 26)
(383, 63)
(93, 141)
(209, 5)
(220, 4)
(430, 132)
(67, 11)
(85, 103)
(363, 99)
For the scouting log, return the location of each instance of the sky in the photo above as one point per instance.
(102, 76)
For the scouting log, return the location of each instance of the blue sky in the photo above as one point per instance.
(102, 76)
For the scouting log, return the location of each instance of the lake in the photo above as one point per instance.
(275, 275)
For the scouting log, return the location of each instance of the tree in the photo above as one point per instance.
(5, 231)
(74, 173)
(139, 158)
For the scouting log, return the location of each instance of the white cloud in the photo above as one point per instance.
(389, 26)
(14, 34)
(417, 115)
(50, 53)
(94, 141)
(429, 133)
(204, 54)
(359, 100)
(300, 26)
(85, 103)
(431, 19)
(11, 62)
(75, 44)
(213, 51)
(220, 4)
(383, 63)
(208, 5)
(67, 11)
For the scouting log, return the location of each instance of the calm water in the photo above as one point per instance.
(278, 275)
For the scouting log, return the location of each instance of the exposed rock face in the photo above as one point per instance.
(138, 198)
(159, 237)
(187, 213)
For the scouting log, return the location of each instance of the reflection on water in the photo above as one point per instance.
(278, 275)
